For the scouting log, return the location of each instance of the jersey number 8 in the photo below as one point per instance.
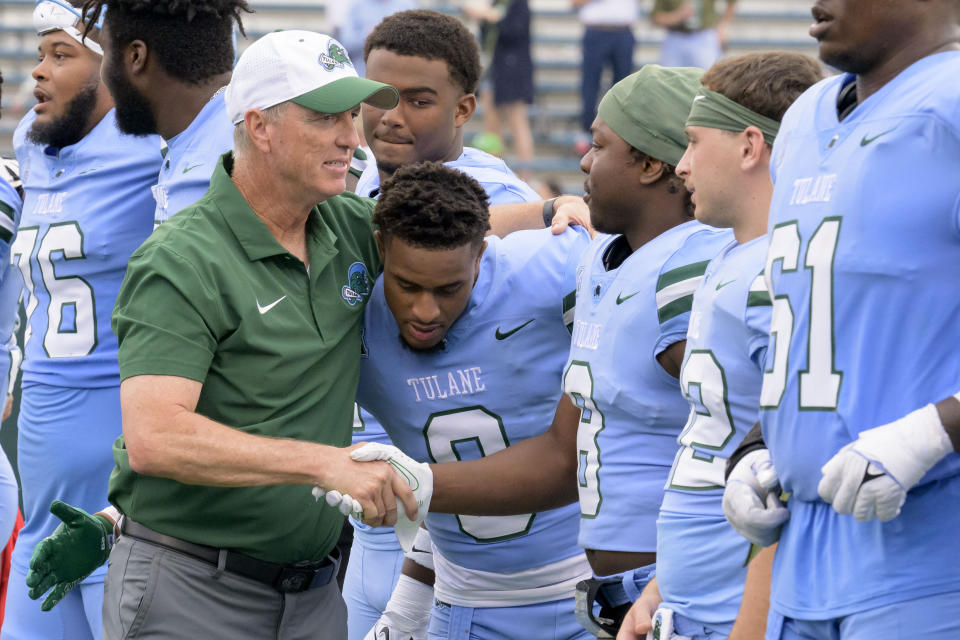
(450, 436)
(578, 384)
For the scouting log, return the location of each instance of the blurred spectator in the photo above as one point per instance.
(607, 40)
(550, 187)
(507, 88)
(353, 20)
(696, 35)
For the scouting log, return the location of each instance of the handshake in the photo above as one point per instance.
(82, 542)
(417, 475)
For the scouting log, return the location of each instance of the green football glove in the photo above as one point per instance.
(71, 553)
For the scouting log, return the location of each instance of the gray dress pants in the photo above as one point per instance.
(154, 593)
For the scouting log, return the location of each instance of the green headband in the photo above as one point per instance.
(648, 109)
(717, 111)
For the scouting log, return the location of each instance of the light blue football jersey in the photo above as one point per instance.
(501, 184)
(862, 267)
(502, 187)
(86, 208)
(11, 284)
(190, 158)
(631, 409)
(494, 382)
(701, 560)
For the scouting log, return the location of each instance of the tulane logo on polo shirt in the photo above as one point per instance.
(358, 284)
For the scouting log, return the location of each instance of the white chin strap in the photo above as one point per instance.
(59, 15)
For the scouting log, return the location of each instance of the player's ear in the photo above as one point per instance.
(651, 170)
(136, 57)
(483, 247)
(466, 105)
(476, 265)
(753, 149)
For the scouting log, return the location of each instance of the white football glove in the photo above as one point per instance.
(417, 474)
(751, 499)
(870, 476)
(663, 626)
(407, 614)
(343, 502)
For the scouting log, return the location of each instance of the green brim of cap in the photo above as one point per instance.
(346, 93)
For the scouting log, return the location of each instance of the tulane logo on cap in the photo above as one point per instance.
(358, 284)
(336, 56)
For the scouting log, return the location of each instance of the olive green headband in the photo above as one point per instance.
(717, 111)
(648, 109)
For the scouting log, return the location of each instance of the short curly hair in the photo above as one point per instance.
(431, 35)
(432, 206)
(192, 39)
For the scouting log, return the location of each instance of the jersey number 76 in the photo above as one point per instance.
(62, 339)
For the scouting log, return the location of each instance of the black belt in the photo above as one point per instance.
(284, 578)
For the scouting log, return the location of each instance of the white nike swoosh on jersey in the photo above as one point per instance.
(263, 309)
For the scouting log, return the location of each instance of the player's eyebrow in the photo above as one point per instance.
(415, 90)
(419, 285)
(57, 44)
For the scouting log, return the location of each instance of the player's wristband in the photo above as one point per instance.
(422, 550)
(548, 212)
(751, 442)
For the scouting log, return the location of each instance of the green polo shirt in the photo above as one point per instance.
(213, 297)
(708, 10)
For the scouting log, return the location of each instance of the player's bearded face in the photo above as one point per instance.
(427, 289)
(69, 127)
(134, 114)
(68, 87)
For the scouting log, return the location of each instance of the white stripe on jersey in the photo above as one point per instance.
(677, 290)
(464, 587)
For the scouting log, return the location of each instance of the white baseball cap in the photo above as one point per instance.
(308, 68)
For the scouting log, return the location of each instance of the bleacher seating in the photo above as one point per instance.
(760, 24)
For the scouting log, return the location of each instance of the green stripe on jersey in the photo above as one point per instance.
(675, 289)
(758, 295)
(759, 299)
(673, 309)
(569, 305)
(693, 270)
(7, 210)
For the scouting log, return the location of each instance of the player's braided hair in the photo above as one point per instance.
(432, 206)
(431, 35)
(192, 39)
